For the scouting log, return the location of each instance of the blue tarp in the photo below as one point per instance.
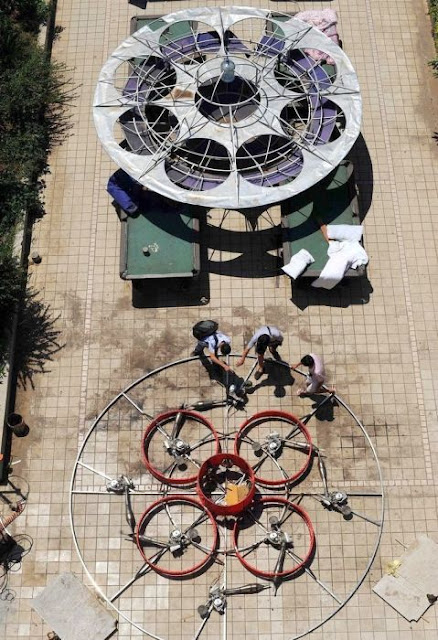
(125, 191)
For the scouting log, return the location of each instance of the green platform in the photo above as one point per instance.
(162, 241)
(331, 201)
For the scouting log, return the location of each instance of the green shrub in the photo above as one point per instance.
(433, 11)
(34, 97)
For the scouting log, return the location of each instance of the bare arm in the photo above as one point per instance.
(323, 228)
(242, 358)
(215, 359)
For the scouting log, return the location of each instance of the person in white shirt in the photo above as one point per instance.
(264, 338)
(315, 379)
(217, 344)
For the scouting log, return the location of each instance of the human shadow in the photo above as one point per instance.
(37, 339)
(363, 169)
(227, 379)
(324, 408)
(278, 375)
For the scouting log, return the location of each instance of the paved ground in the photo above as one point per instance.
(378, 338)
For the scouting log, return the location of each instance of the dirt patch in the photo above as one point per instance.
(73, 332)
(279, 317)
(306, 336)
(242, 312)
(148, 353)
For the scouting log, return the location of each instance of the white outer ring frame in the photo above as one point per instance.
(164, 368)
(235, 192)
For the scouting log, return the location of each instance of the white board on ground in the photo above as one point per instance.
(414, 580)
(73, 611)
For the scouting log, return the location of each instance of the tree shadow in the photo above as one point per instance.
(37, 339)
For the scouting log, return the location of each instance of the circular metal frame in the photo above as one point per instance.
(303, 562)
(77, 491)
(157, 425)
(205, 474)
(168, 500)
(290, 419)
(240, 161)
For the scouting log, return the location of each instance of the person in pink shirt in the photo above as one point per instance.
(315, 378)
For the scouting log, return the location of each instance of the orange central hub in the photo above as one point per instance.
(226, 484)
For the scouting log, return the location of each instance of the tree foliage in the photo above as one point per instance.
(433, 5)
(34, 99)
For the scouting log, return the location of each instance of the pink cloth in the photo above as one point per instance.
(316, 373)
(326, 21)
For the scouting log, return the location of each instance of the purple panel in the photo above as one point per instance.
(209, 41)
(270, 46)
(323, 112)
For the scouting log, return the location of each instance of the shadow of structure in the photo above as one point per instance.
(363, 170)
(257, 254)
(349, 291)
(253, 245)
(176, 292)
(37, 339)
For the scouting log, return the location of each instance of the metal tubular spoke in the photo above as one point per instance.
(313, 576)
(370, 520)
(163, 431)
(245, 551)
(258, 523)
(258, 464)
(155, 543)
(194, 462)
(208, 438)
(170, 468)
(140, 573)
(285, 518)
(309, 416)
(134, 404)
(99, 473)
(274, 460)
(301, 446)
(169, 515)
(202, 518)
(203, 623)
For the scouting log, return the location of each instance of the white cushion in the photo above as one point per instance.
(348, 232)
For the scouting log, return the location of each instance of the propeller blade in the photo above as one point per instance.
(178, 423)
(247, 589)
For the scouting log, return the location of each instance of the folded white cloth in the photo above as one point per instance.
(342, 256)
(350, 232)
(298, 263)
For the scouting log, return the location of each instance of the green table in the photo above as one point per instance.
(160, 241)
(331, 201)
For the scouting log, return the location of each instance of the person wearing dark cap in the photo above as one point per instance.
(264, 338)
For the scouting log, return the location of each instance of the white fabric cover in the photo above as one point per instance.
(349, 232)
(298, 263)
(342, 256)
(326, 21)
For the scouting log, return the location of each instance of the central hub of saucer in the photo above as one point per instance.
(226, 484)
